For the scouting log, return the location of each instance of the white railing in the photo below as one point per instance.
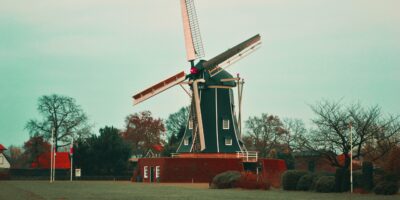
(248, 155)
(174, 155)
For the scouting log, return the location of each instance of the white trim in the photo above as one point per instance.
(157, 171)
(234, 127)
(145, 172)
(216, 117)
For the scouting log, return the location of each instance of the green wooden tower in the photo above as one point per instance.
(213, 125)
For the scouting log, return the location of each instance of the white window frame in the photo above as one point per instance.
(190, 124)
(186, 141)
(145, 172)
(157, 171)
(228, 141)
(225, 124)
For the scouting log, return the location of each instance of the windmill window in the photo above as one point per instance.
(225, 124)
(190, 124)
(145, 171)
(228, 141)
(186, 141)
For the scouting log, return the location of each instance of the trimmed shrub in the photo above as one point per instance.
(325, 184)
(252, 182)
(305, 182)
(367, 176)
(318, 175)
(290, 179)
(225, 180)
(386, 188)
(235, 179)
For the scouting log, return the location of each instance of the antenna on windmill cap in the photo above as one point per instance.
(191, 29)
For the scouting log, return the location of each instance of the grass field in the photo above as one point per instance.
(125, 190)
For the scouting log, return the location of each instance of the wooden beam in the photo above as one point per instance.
(198, 112)
(220, 86)
(159, 87)
(229, 79)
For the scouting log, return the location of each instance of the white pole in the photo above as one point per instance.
(54, 157)
(351, 159)
(51, 155)
(72, 156)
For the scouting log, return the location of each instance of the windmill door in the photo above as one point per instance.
(151, 174)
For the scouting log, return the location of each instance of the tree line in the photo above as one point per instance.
(374, 135)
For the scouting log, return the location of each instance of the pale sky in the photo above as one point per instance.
(102, 52)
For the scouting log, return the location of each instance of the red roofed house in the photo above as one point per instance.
(154, 151)
(43, 161)
(4, 164)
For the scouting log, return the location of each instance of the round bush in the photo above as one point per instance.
(225, 180)
(305, 182)
(386, 188)
(252, 181)
(290, 179)
(318, 175)
(325, 184)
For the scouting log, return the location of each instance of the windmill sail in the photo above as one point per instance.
(225, 59)
(194, 45)
(159, 87)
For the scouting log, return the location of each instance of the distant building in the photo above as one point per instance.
(4, 163)
(154, 151)
(316, 162)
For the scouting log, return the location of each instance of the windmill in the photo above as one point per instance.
(212, 126)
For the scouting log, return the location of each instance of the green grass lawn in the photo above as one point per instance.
(125, 190)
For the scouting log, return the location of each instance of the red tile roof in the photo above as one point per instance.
(2, 147)
(43, 161)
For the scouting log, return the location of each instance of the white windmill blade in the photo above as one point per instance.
(232, 55)
(159, 87)
(193, 43)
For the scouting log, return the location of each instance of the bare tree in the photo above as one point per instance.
(265, 132)
(295, 138)
(331, 136)
(62, 114)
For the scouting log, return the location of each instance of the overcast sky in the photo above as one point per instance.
(102, 52)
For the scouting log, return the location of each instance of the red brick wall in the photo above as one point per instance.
(189, 169)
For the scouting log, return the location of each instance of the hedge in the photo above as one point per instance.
(325, 184)
(290, 179)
